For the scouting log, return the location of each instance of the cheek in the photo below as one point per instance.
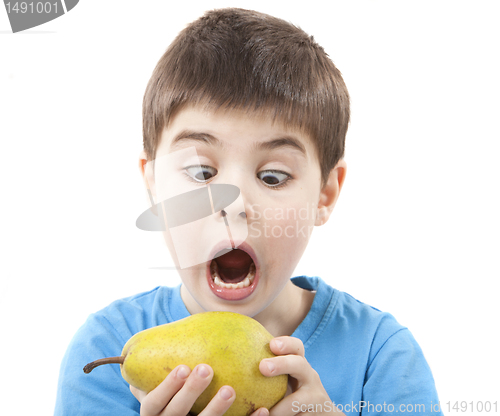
(170, 245)
(297, 229)
(288, 228)
(184, 272)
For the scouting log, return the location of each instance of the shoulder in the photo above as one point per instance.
(371, 326)
(138, 303)
(356, 315)
(338, 314)
(135, 313)
(114, 324)
(355, 330)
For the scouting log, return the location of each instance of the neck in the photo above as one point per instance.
(281, 317)
(287, 311)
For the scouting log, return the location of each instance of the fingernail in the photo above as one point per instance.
(278, 343)
(182, 372)
(263, 412)
(225, 393)
(270, 365)
(203, 371)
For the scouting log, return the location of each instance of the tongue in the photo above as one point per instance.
(233, 266)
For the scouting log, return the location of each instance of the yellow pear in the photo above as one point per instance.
(231, 343)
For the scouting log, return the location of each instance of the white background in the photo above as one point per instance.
(415, 231)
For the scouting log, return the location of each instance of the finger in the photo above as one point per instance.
(261, 412)
(220, 402)
(156, 400)
(287, 345)
(198, 380)
(294, 365)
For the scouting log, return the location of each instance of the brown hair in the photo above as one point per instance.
(235, 58)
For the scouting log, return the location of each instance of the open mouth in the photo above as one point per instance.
(233, 274)
(233, 270)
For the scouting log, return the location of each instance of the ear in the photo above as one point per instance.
(330, 192)
(147, 172)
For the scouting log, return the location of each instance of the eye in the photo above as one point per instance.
(200, 173)
(274, 178)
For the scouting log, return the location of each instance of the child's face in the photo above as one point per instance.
(280, 188)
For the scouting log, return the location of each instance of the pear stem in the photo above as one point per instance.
(110, 360)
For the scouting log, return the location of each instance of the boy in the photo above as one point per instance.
(245, 99)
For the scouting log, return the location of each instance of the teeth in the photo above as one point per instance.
(247, 281)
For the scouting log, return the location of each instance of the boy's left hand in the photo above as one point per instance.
(304, 385)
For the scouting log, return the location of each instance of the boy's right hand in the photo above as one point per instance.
(177, 393)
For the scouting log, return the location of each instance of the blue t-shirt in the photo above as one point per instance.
(368, 363)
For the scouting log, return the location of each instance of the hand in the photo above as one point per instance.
(304, 386)
(175, 395)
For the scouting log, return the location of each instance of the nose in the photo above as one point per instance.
(229, 205)
(239, 209)
(227, 200)
(223, 213)
(238, 175)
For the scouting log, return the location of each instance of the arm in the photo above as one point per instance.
(399, 376)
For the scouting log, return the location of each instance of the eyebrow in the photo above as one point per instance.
(196, 136)
(278, 143)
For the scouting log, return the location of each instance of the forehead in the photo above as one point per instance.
(226, 129)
